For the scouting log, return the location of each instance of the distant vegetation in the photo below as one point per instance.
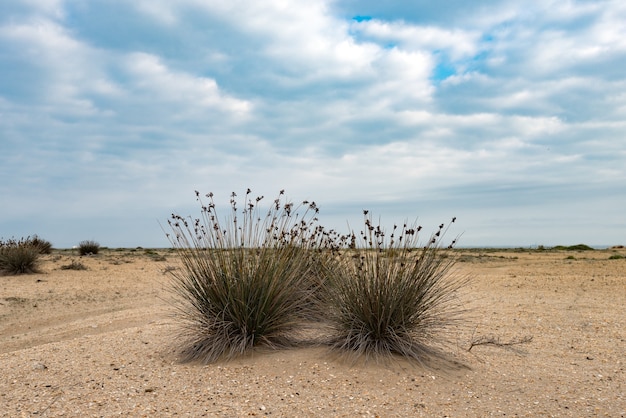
(578, 247)
(22, 256)
(88, 247)
(154, 255)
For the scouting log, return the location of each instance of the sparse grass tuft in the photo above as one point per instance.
(154, 255)
(88, 247)
(74, 265)
(387, 295)
(247, 280)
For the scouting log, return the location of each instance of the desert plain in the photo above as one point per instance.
(543, 335)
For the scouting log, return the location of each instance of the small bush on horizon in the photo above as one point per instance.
(88, 247)
(154, 255)
(577, 247)
(390, 296)
(247, 280)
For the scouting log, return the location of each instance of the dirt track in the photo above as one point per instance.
(98, 342)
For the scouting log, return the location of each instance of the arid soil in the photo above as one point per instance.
(101, 342)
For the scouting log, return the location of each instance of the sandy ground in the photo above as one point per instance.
(98, 342)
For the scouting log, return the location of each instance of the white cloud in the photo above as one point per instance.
(458, 43)
(160, 11)
(70, 70)
(49, 8)
(218, 96)
(154, 80)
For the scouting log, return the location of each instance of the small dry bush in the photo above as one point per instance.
(42, 245)
(18, 257)
(74, 265)
(248, 279)
(388, 295)
(88, 247)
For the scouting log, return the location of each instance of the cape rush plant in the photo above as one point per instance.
(390, 295)
(248, 279)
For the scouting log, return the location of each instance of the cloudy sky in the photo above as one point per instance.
(509, 115)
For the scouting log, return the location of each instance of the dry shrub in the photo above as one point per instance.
(246, 280)
(88, 247)
(18, 257)
(42, 245)
(256, 279)
(387, 295)
(74, 265)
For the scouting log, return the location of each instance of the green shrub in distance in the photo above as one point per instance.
(577, 247)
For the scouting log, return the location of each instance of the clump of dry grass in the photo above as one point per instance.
(388, 295)
(74, 265)
(42, 245)
(22, 256)
(88, 247)
(248, 279)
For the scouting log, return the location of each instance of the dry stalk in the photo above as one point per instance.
(497, 342)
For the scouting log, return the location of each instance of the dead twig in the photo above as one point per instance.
(56, 398)
(168, 269)
(496, 342)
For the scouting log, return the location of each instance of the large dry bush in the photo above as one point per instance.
(390, 295)
(248, 279)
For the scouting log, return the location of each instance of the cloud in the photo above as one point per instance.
(150, 78)
(457, 43)
(508, 112)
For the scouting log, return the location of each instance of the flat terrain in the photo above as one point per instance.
(100, 342)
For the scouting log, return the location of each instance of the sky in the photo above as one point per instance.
(508, 115)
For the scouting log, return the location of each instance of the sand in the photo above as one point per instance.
(100, 342)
